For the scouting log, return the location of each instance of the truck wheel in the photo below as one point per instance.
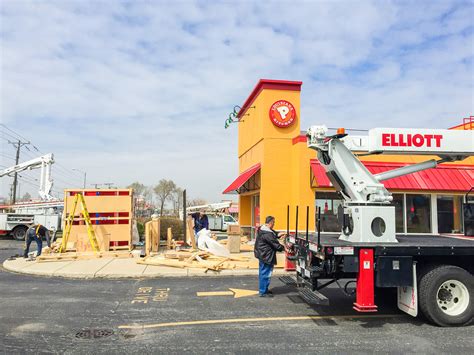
(19, 232)
(446, 296)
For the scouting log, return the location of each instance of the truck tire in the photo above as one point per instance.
(19, 232)
(446, 296)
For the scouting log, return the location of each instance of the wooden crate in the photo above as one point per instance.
(111, 213)
(233, 229)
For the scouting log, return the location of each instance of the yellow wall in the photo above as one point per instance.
(245, 207)
(284, 176)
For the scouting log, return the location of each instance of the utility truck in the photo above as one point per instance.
(220, 222)
(218, 219)
(15, 219)
(432, 274)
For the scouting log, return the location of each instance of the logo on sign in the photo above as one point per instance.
(282, 114)
(411, 140)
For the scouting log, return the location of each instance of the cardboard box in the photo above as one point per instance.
(233, 229)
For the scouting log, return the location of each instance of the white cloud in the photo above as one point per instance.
(140, 90)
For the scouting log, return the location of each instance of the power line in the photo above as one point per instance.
(11, 136)
(12, 131)
(7, 156)
(58, 165)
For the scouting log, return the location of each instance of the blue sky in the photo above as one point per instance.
(140, 90)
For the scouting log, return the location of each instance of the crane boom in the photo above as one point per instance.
(46, 182)
(368, 213)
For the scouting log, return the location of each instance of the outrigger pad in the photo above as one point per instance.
(313, 297)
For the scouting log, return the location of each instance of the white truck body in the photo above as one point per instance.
(16, 222)
(220, 222)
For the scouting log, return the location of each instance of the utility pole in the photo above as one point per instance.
(18, 146)
(85, 176)
(184, 215)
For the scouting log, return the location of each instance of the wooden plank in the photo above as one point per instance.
(156, 236)
(190, 239)
(216, 266)
(169, 238)
(148, 227)
(246, 247)
(169, 262)
(82, 256)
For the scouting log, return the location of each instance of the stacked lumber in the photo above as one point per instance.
(200, 259)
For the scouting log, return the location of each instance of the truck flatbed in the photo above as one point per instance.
(408, 244)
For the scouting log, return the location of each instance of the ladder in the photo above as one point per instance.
(90, 231)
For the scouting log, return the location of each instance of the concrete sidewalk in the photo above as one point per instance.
(114, 268)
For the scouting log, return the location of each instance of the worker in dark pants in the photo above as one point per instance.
(266, 247)
(36, 233)
(200, 222)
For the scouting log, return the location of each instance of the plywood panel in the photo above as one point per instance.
(115, 232)
(102, 204)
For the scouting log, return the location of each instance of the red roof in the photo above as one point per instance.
(458, 178)
(242, 179)
(271, 85)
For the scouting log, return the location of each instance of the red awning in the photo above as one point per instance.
(458, 178)
(242, 179)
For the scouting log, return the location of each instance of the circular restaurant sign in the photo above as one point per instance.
(282, 114)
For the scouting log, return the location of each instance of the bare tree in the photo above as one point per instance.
(164, 191)
(26, 197)
(196, 202)
(138, 188)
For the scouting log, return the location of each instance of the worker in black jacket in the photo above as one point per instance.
(266, 246)
(36, 233)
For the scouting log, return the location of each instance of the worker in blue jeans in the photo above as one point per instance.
(266, 247)
(36, 233)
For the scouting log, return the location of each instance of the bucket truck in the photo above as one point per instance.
(433, 274)
(46, 212)
(218, 220)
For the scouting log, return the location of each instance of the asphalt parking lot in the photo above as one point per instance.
(199, 315)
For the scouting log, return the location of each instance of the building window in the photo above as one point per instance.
(449, 214)
(329, 203)
(418, 213)
(399, 202)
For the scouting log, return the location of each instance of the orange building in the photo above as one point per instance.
(278, 170)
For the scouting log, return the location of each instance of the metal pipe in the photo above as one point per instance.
(296, 229)
(319, 228)
(307, 224)
(288, 221)
(409, 169)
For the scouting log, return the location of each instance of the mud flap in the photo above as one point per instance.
(407, 296)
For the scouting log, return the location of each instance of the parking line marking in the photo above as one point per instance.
(258, 319)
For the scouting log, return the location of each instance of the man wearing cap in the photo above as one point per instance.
(266, 246)
(36, 233)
